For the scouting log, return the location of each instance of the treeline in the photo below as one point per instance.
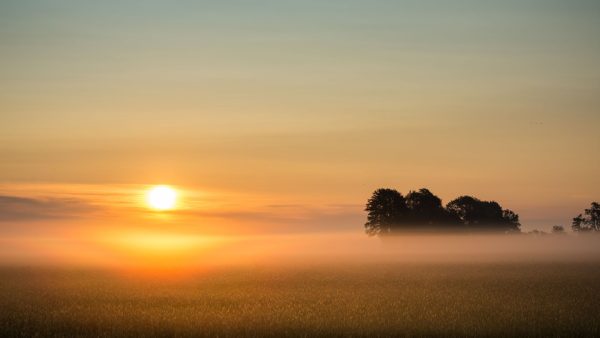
(389, 212)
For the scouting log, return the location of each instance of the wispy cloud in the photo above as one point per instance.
(16, 208)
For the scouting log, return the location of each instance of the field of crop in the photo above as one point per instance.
(388, 299)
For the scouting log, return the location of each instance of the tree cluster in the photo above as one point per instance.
(589, 221)
(388, 211)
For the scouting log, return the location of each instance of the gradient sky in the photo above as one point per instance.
(293, 112)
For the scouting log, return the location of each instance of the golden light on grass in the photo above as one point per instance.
(161, 198)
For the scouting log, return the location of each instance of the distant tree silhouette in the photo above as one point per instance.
(589, 222)
(464, 208)
(511, 220)
(558, 229)
(592, 218)
(537, 232)
(426, 208)
(483, 215)
(577, 224)
(389, 211)
(386, 210)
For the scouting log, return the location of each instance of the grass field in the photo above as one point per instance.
(388, 299)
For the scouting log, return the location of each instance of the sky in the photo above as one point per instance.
(283, 116)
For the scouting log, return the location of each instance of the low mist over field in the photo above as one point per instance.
(164, 250)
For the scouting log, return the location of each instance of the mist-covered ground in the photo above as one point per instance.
(183, 250)
(319, 285)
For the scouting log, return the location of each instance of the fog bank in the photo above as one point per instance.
(182, 251)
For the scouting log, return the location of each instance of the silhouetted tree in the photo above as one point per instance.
(592, 218)
(558, 229)
(426, 208)
(464, 208)
(483, 215)
(389, 211)
(511, 220)
(577, 223)
(386, 210)
(589, 222)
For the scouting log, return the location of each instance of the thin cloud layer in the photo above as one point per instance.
(16, 208)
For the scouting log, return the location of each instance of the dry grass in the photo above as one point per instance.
(350, 300)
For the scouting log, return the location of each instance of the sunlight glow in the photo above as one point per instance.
(161, 197)
(162, 242)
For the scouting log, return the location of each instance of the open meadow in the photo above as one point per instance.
(475, 299)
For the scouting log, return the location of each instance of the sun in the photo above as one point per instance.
(161, 197)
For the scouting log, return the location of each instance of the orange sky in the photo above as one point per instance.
(283, 117)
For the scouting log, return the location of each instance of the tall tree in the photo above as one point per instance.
(589, 222)
(483, 215)
(464, 208)
(511, 220)
(592, 216)
(386, 211)
(577, 224)
(426, 208)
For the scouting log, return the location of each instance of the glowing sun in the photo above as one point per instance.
(161, 197)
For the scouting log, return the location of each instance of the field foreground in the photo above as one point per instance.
(517, 299)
